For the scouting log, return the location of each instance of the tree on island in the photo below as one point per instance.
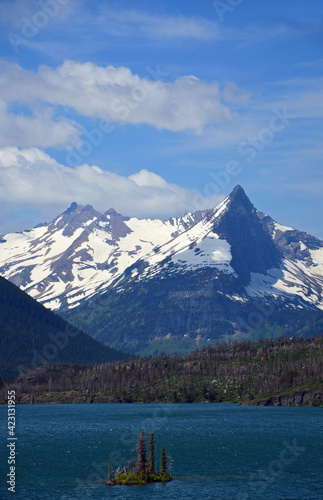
(141, 454)
(151, 456)
(144, 471)
(163, 461)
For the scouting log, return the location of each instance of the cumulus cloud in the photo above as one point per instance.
(31, 180)
(41, 129)
(113, 93)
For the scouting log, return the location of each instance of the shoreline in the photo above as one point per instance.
(305, 397)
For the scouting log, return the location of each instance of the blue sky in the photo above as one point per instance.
(158, 108)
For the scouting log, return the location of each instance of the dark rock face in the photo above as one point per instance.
(289, 242)
(309, 397)
(74, 218)
(117, 226)
(252, 248)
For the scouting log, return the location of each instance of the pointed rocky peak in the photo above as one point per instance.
(75, 209)
(88, 208)
(238, 199)
(74, 217)
(238, 191)
(71, 208)
(112, 211)
(252, 248)
(116, 223)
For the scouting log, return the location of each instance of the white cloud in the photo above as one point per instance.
(17, 13)
(41, 129)
(260, 32)
(134, 23)
(115, 21)
(146, 178)
(115, 93)
(31, 180)
(14, 14)
(181, 27)
(164, 26)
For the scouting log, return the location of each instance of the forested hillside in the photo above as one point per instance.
(31, 335)
(276, 371)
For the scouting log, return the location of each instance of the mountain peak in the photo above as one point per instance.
(238, 190)
(252, 247)
(79, 208)
(239, 197)
(112, 211)
(88, 208)
(73, 218)
(72, 207)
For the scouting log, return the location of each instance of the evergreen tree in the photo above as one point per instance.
(163, 461)
(151, 456)
(141, 453)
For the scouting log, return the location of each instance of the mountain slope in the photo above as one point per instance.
(225, 276)
(31, 335)
(230, 238)
(81, 252)
(280, 372)
(266, 259)
(143, 284)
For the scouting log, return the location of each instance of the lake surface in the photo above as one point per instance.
(218, 451)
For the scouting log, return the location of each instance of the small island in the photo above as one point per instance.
(141, 471)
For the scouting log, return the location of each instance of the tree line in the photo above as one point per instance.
(237, 372)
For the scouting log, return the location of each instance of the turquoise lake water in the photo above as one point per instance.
(218, 451)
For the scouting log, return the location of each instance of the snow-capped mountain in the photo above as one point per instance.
(132, 283)
(268, 259)
(81, 252)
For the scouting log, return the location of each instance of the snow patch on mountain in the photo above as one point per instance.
(210, 252)
(280, 227)
(292, 280)
(81, 253)
(197, 247)
(317, 257)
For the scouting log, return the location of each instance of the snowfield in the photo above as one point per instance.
(81, 253)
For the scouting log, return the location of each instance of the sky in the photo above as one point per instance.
(160, 108)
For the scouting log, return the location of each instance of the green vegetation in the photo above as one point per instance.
(142, 472)
(31, 335)
(242, 372)
(163, 461)
(184, 312)
(151, 458)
